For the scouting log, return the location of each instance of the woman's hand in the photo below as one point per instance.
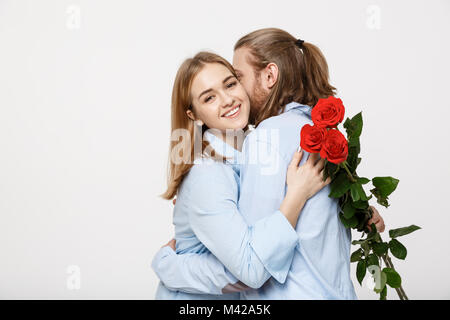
(307, 179)
(302, 183)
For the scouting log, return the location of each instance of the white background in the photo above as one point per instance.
(84, 129)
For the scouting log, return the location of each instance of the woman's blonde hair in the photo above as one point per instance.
(181, 102)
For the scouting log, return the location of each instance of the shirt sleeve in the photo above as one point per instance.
(252, 253)
(193, 273)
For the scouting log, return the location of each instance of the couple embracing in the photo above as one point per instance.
(252, 224)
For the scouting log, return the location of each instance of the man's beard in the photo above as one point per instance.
(257, 99)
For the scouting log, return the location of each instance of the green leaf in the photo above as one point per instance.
(380, 248)
(366, 248)
(377, 238)
(363, 180)
(361, 216)
(353, 142)
(331, 169)
(358, 161)
(393, 278)
(356, 256)
(354, 128)
(385, 185)
(381, 200)
(372, 233)
(349, 210)
(394, 233)
(362, 193)
(340, 185)
(352, 158)
(355, 242)
(361, 204)
(372, 260)
(354, 191)
(354, 125)
(357, 192)
(348, 223)
(361, 271)
(397, 249)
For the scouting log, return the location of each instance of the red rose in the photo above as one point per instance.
(328, 112)
(311, 138)
(334, 147)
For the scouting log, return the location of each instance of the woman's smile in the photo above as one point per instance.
(233, 113)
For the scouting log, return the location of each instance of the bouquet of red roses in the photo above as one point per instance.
(342, 159)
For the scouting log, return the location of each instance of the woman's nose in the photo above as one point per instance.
(227, 100)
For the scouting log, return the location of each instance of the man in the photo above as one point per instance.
(283, 77)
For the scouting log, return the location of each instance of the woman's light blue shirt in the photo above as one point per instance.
(215, 246)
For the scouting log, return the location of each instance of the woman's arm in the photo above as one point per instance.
(176, 271)
(193, 273)
(251, 253)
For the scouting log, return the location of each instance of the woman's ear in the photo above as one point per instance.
(271, 75)
(190, 114)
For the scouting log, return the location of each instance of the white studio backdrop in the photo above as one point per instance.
(85, 92)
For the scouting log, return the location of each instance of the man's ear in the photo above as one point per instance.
(271, 75)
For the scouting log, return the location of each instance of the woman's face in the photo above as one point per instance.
(218, 99)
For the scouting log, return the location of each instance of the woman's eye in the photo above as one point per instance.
(232, 84)
(208, 99)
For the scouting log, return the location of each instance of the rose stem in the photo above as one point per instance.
(401, 293)
(348, 172)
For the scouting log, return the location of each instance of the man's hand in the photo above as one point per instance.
(377, 219)
(171, 244)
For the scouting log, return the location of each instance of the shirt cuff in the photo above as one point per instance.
(274, 241)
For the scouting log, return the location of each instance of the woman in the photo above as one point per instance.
(207, 95)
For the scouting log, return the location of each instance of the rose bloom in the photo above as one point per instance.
(311, 138)
(334, 147)
(328, 112)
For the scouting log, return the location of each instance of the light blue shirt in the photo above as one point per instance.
(320, 265)
(215, 246)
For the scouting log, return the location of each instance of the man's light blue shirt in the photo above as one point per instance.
(319, 265)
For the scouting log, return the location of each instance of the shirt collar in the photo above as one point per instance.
(223, 148)
(295, 105)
